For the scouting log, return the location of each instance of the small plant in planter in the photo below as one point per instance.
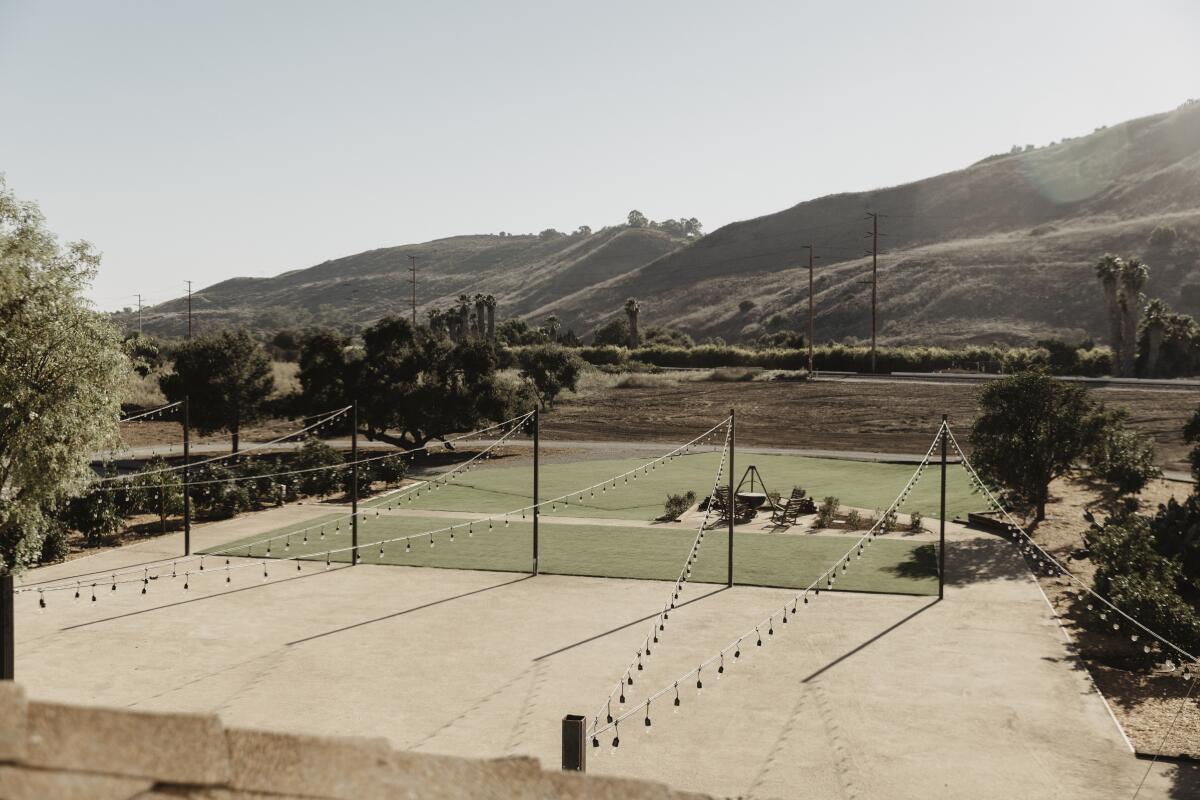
(676, 505)
(916, 522)
(827, 512)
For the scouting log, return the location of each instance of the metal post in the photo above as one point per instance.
(354, 485)
(187, 474)
(874, 281)
(574, 744)
(7, 648)
(732, 497)
(536, 433)
(810, 310)
(942, 516)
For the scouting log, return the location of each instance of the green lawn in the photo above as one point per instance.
(491, 488)
(604, 551)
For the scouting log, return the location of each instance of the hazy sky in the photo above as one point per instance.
(210, 139)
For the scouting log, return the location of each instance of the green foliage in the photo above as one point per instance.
(328, 372)
(97, 515)
(217, 500)
(56, 545)
(676, 504)
(916, 521)
(422, 387)
(1031, 428)
(314, 454)
(854, 520)
(663, 336)
(515, 331)
(837, 357)
(62, 367)
(1121, 457)
(1177, 339)
(1163, 236)
(227, 377)
(145, 353)
(827, 511)
(549, 369)
(1135, 574)
(160, 494)
(1191, 434)
(614, 333)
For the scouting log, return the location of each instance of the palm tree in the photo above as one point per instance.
(1133, 277)
(631, 309)
(1108, 270)
(490, 302)
(480, 305)
(1156, 322)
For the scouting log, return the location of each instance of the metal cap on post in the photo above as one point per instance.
(7, 646)
(574, 744)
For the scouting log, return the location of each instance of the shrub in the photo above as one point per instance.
(916, 521)
(854, 520)
(1122, 458)
(731, 375)
(1163, 236)
(677, 504)
(56, 546)
(827, 512)
(315, 453)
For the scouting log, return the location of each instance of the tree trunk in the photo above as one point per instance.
(1041, 511)
(236, 429)
(1115, 326)
(634, 339)
(480, 315)
(1129, 325)
(491, 323)
(1154, 337)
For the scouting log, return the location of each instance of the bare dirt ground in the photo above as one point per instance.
(879, 417)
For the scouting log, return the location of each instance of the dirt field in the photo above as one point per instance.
(859, 415)
(866, 696)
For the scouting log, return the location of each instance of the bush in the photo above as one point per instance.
(1123, 458)
(1163, 236)
(731, 375)
(56, 546)
(916, 522)
(827, 512)
(854, 520)
(315, 453)
(677, 504)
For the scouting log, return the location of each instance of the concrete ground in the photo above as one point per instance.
(859, 696)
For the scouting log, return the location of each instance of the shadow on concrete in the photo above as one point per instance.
(967, 562)
(629, 624)
(870, 641)
(212, 596)
(421, 607)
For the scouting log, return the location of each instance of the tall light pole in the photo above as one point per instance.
(811, 312)
(189, 333)
(413, 269)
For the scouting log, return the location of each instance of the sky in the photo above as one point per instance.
(206, 140)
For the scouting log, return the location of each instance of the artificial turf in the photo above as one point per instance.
(658, 552)
(493, 488)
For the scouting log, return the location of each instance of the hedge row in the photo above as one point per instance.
(844, 358)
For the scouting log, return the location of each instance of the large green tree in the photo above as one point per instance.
(62, 366)
(1031, 428)
(227, 378)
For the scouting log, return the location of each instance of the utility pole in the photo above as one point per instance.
(354, 485)
(536, 437)
(874, 234)
(811, 312)
(413, 269)
(732, 497)
(189, 334)
(942, 515)
(139, 299)
(187, 489)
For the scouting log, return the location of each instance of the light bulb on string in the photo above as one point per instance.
(699, 683)
(676, 696)
(721, 666)
(758, 635)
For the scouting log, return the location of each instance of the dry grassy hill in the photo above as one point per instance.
(1001, 250)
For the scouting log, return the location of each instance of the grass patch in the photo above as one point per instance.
(612, 552)
(496, 489)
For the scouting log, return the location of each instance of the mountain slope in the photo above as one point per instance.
(1000, 250)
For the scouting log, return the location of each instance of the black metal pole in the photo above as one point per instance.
(187, 475)
(574, 744)
(536, 433)
(732, 497)
(942, 516)
(7, 648)
(354, 485)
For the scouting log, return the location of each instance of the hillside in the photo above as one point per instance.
(1000, 250)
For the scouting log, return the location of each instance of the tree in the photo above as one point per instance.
(489, 303)
(62, 367)
(321, 460)
(637, 219)
(1133, 277)
(632, 308)
(549, 369)
(1191, 434)
(414, 387)
(550, 327)
(1108, 270)
(1163, 236)
(227, 377)
(1031, 428)
(614, 332)
(550, 234)
(583, 230)
(1120, 457)
(156, 491)
(328, 371)
(1168, 343)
